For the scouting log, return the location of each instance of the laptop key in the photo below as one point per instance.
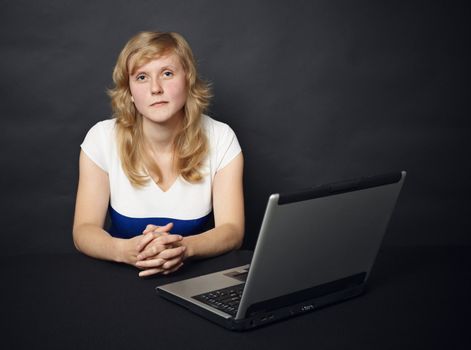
(226, 299)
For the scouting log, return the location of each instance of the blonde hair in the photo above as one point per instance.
(191, 144)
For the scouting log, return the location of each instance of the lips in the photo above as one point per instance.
(158, 103)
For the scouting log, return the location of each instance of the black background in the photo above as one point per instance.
(317, 91)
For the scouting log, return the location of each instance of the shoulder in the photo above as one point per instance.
(101, 131)
(99, 143)
(223, 143)
(105, 126)
(216, 130)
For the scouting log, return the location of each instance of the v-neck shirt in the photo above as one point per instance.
(187, 205)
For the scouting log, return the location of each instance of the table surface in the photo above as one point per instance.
(418, 298)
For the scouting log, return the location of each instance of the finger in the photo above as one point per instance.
(166, 272)
(165, 228)
(150, 228)
(157, 245)
(156, 228)
(151, 263)
(149, 272)
(150, 251)
(155, 235)
(170, 264)
(168, 239)
(171, 253)
(146, 239)
(158, 234)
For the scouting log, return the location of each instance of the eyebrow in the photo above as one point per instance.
(169, 66)
(166, 67)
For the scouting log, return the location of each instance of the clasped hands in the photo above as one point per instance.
(158, 251)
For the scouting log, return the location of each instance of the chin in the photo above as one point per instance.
(162, 119)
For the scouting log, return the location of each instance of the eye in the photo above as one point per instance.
(140, 77)
(168, 74)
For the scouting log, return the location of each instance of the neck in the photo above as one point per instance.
(161, 136)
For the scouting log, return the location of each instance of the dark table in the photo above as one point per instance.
(418, 298)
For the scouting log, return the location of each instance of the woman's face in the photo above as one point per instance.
(158, 89)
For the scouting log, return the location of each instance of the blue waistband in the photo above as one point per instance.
(127, 227)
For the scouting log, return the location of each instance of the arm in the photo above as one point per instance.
(90, 211)
(93, 195)
(228, 207)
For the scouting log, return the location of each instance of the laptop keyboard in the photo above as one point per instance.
(226, 299)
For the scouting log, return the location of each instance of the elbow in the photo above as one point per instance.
(239, 235)
(238, 245)
(75, 239)
(77, 246)
(233, 236)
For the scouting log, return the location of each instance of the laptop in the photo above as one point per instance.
(315, 247)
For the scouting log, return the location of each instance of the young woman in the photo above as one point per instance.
(160, 166)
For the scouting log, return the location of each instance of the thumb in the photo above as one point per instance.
(158, 229)
(165, 228)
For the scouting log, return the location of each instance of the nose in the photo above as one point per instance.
(156, 87)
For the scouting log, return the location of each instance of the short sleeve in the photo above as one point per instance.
(227, 148)
(96, 145)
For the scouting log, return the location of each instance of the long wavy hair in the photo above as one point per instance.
(191, 144)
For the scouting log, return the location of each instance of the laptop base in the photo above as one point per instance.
(264, 318)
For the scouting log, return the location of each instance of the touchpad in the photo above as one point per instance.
(238, 275)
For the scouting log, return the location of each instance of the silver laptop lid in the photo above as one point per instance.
(318, 236)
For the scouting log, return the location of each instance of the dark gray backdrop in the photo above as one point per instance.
(316, 91)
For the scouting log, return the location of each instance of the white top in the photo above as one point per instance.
(187, 205)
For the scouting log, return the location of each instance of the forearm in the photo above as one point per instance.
(96, 242)
(216, 241)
